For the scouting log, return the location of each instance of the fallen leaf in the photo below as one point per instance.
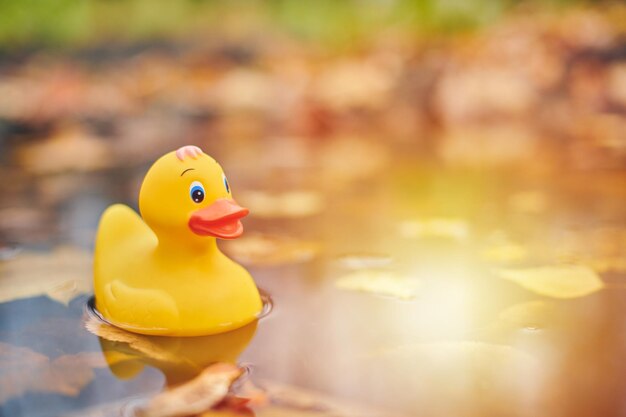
(70, 149)
(498, 144)
(254, 396)
(530, 314)
(607, 263)
(617, 83)
(286, 411)
(563, 281)
(300, 203)
(8, 251)
(504, 253)
(601, 248)
(353, 84)
(27, 223)
(261, 249)
(438, 227)
(362, 261)
(245, 90)
(61, 274)
(345, 159)
(228, 413)
(528, 201)
(24, 370)
(469, 91)
(380, 282)
(193, 397)
(136, 341)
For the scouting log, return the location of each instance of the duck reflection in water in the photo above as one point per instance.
(179, 358)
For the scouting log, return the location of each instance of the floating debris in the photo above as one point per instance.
(195, 396)
(24, 370)
(563, 281)
(380, 282)
(437, 227)
(61, 274)
(530, 314)
(295, 204)
(260, 249)
(505, 252)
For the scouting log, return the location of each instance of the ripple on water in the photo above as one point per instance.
(266, 298)
(268, 304)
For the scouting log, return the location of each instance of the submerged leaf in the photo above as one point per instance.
(504, 253)
(363, 260)
(528, 201)
(61, 274)
(299, 203)
(260, 249)
(447, 228)
(608, 263)
(136, 341)
(193, 397)
(70, 149)
(380, 282)
(563, 281)
(531, 314)
(24, 370)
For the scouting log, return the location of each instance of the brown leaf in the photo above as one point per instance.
(298, 203)
(253, 395)
(499, 144)
(71, 149)
(345, 159)
(261, 249)
(354, 84)
(530, 314)
(194, 397)
(528, 201)
(136, 341)
(380, 282)
(436, 227)
(504, 252)
(563, 281)
(61, 274)
(24, 370)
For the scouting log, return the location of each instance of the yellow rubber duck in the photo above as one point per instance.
(164, 274)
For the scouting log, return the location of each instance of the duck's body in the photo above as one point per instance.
(169, 281)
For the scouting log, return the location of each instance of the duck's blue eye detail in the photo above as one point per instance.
(196, 191)
(226, 183)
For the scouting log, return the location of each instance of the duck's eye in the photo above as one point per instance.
(226, 183)
(196, 191)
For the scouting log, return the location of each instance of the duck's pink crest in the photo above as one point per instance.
(189, 150)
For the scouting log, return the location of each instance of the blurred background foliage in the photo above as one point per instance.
(72, 23)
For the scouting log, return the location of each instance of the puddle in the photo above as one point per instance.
(455, 328)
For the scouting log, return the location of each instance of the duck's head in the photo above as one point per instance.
(185, 195)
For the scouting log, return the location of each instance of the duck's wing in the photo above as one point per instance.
(121, 234)
(137, 309)
(118, 224)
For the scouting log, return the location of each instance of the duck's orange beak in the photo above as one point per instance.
(220, 219)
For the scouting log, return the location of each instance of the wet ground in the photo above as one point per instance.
(423, 256)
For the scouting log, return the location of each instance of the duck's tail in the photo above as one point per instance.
(119, 226)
